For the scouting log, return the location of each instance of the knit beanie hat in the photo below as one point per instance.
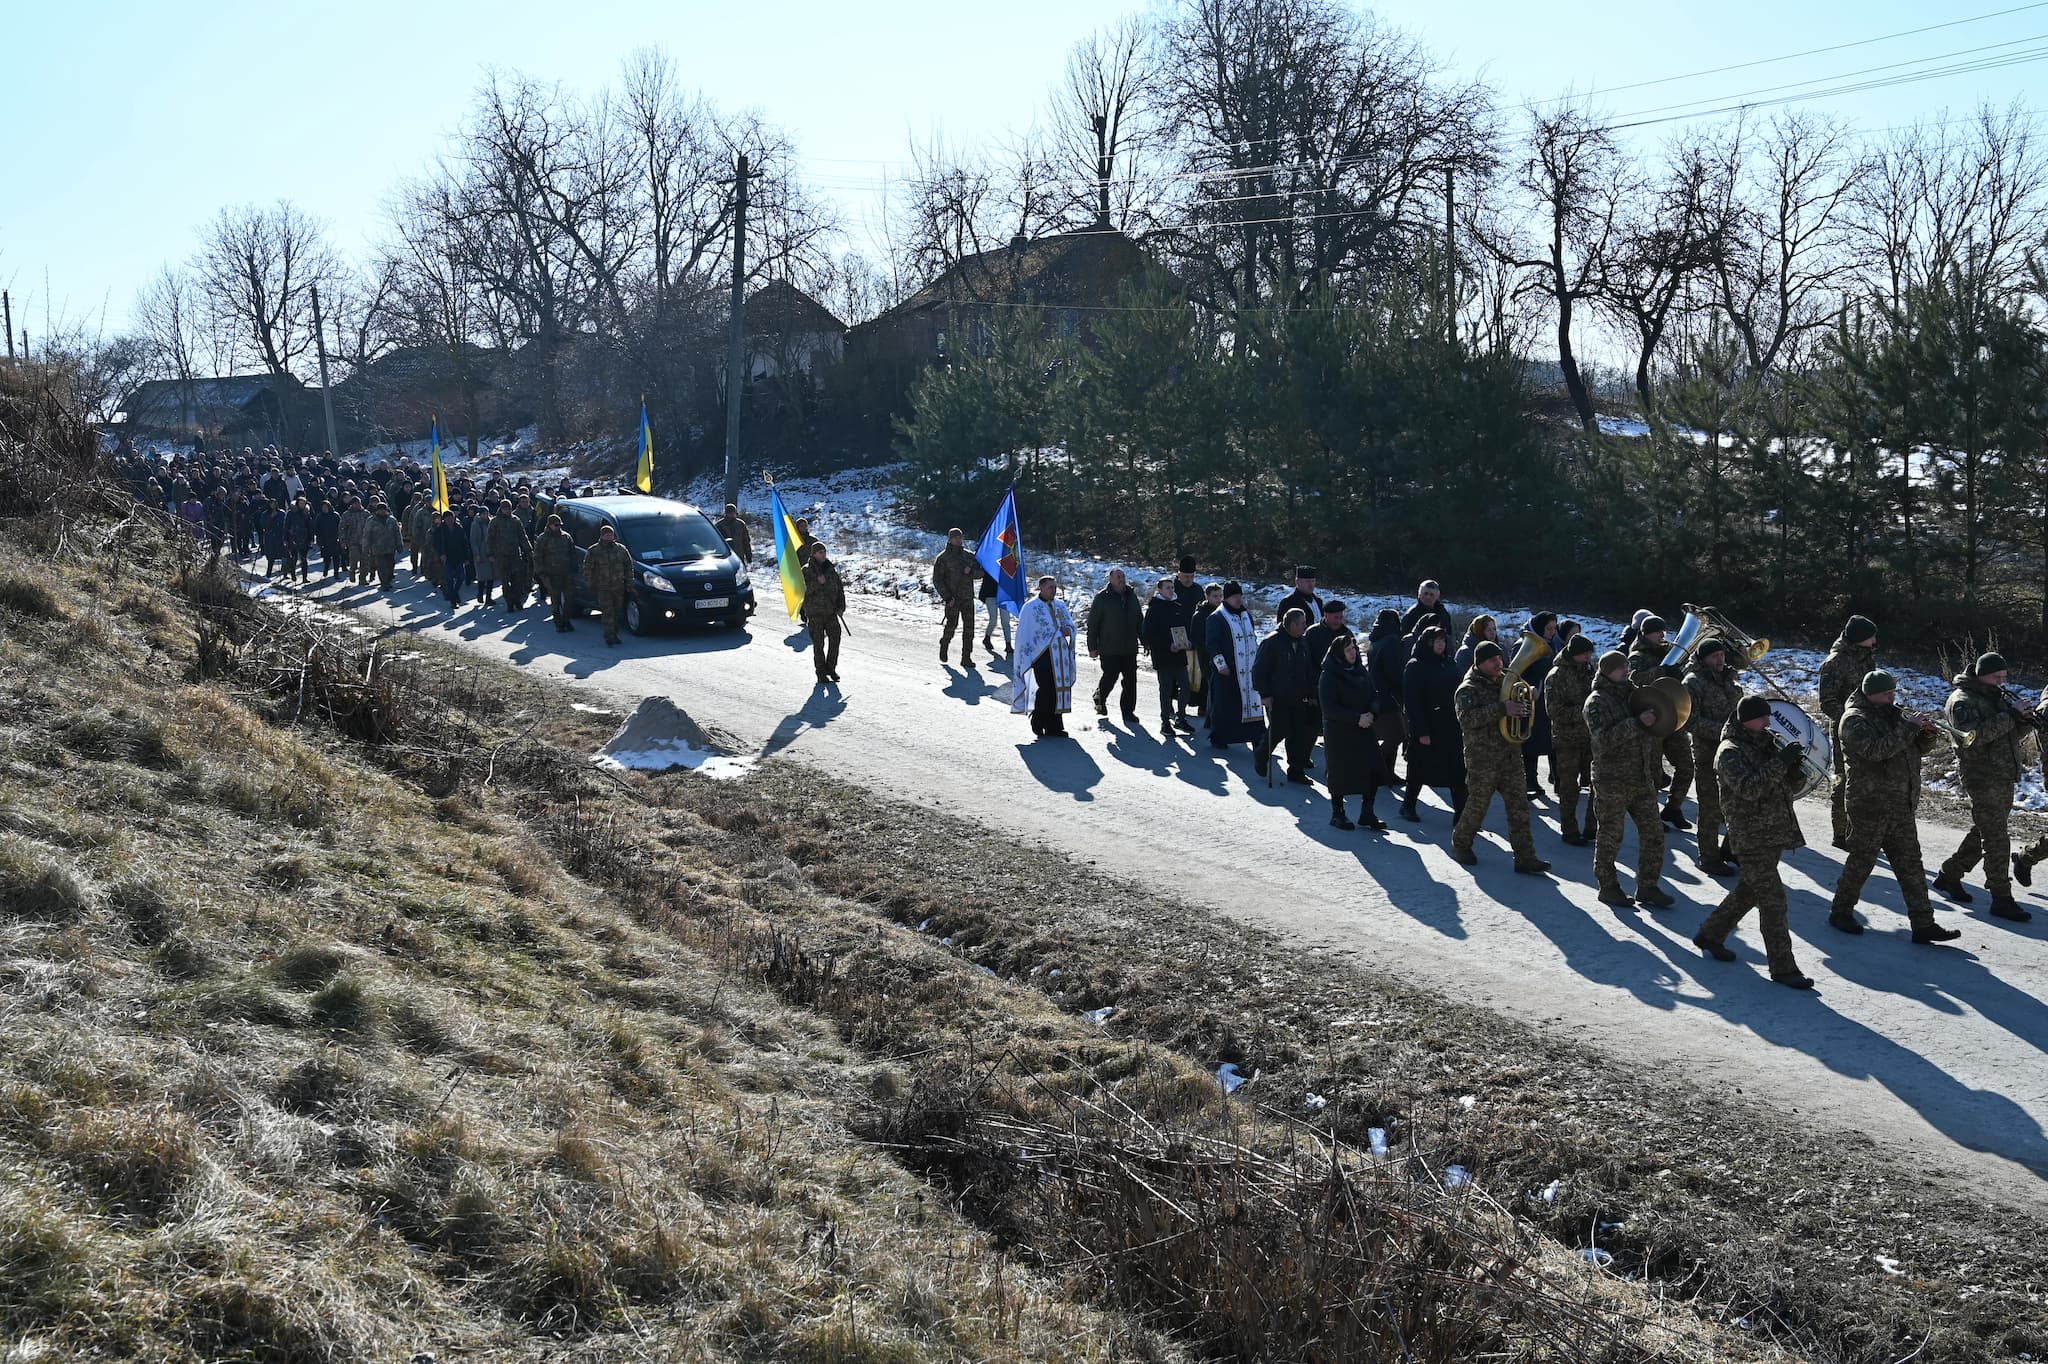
(1187, 563)
(1612, 659)
(1752, 707)
(1878, 680)
(1860, 630)
(1487, 649)
(1232, 589)
(1579, 647)
(1653, 625)
(1711, 646)
(1989, 663)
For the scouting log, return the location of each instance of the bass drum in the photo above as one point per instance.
(1793, 725)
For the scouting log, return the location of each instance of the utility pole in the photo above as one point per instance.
(326, 389)
(736, 350)
(1451, 254)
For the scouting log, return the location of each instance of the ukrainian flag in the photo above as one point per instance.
(788, 540)
(440, 474)
(643, 476)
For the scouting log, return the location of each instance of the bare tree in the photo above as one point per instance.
(1670, 233)
(1101, 115)
(1308, 140)
(1574, 180)
(172, 333)
(257, 267)
(1784, 254)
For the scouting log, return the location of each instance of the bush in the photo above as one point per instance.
(26, 596)
(36, 884)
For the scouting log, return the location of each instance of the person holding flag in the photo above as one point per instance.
(791, 550)
(643, 472)
(1044, 688)
(1000, 553)
(824, 605)
(441, 503)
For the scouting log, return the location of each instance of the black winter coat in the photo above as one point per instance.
(1351, 754)
(1429, 692)
(1161, 616)
(1281, 668)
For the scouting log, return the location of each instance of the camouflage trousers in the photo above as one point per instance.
(1678, 752)
(1482, 780)
(1990, 839)
(959, 616)
(1895, 834)
(611, 606)
(1761, 888)
(1703, 746)
(1609, 811)
(1571, 770)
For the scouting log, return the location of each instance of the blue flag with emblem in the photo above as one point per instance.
(1000, 552)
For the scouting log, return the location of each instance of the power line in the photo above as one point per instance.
(1794, 56)
(1910, 78)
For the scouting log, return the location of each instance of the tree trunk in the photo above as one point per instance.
(1574, 384)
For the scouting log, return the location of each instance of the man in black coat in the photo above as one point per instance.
(1165, 614)
(1206, 604)
(1116, 626)
(1303, 596)
(1324, 632)
(1286, 683)
(1427, 611)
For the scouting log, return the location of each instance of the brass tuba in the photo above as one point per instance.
(1529, 651)
(1705, 622)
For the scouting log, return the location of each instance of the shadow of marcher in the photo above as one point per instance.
(825, 705)
(967, 684)
(1062, 765)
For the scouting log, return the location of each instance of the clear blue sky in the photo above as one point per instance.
(128, 124)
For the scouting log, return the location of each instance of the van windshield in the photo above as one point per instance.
(670, 537)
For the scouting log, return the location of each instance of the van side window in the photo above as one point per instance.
(582, 526)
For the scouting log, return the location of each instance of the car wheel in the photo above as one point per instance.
(636, 615)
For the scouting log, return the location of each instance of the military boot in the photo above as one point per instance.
(1951, 888)
(2005, 907)
(1612, 894)
(1927, 935)
(1675, 817)
(2022, 870)
(1464, 855)
(1655, 897)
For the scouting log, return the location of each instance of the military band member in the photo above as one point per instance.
(1990, 762)
(1881, 751)
(1711, 684)
(1757, 777)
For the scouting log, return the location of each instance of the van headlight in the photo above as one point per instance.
(656, 581)
(740, 579)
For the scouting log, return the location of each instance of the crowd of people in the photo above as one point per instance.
(1405, 707)
(1402, 708)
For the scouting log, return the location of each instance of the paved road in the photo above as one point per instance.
(1936, 1052)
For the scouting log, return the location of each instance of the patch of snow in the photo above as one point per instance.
(1456, 1176)
(1376, 1140)
(1314, 1103)
(665, 757)
(1888, 1264)
(1100, 1017)
(1596, 1257)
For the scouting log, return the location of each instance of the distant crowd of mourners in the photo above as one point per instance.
(1414, 703)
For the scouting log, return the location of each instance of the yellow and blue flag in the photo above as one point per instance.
(440, 474)
(788, 540)
(1000, 552)
(643, 476)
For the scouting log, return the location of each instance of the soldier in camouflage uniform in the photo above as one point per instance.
(608, 572)
(1881, 752)
(824, 605)
(1991, 768)
(1624, 785)
(1854, 654)
(1646, 665)
(554, 560)
(1757, 778)
(953, 583)
(1571, 747)
(419, 538)
(1492, 763)
(1715, 692)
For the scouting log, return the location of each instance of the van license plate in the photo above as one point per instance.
(713, 603)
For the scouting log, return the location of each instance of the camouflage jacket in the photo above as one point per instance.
(1841, 674)
(380, 536)
(1756, 793)
(511, 551)
(352, 523)
(608, 569)
(418, 522)
(1478, 705)
(1714, 699)
(953, 575)
(1993, 757)
(554, 555)
(1624, 753)
(1881, 751)
(1564, 695)
(1646, 663)
(824, 590)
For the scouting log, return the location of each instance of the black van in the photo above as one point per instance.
(682, 568)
